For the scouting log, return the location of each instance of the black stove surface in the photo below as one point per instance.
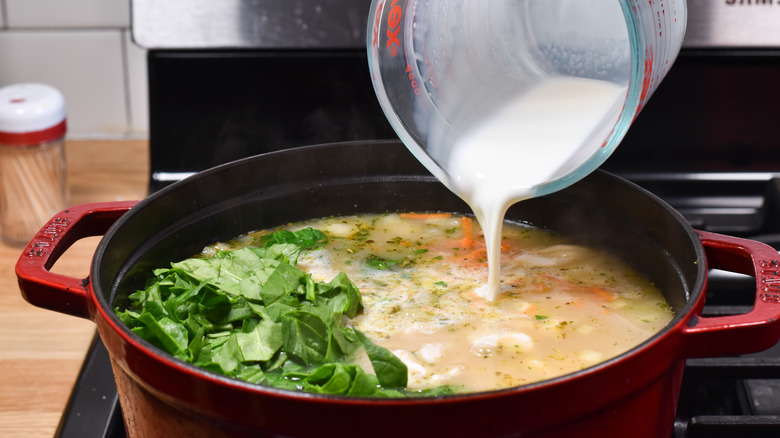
(720, 397)
(93, 408)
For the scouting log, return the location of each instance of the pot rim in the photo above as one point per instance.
(693, 296)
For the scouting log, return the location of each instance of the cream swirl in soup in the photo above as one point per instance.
(563, 307)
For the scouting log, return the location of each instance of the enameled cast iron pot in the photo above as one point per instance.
(634, 394)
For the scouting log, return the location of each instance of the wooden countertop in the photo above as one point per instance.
(41, 351)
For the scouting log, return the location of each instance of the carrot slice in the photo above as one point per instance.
(425, 215)
(602, 293)
(467, 227)
(474, 258)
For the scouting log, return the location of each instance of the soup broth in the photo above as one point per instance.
(562, 307)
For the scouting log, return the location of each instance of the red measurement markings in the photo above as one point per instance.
(377, 21)
(412, 79)
(393, 27)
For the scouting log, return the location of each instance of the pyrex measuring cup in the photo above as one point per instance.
(439, 66)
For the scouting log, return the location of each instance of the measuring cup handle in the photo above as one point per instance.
(753, 331)
(46, 289)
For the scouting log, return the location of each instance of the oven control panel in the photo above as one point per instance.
(733, 23)
(266, 24)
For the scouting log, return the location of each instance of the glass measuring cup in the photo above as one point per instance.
(439, 66)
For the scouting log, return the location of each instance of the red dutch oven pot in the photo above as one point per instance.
(634, 394)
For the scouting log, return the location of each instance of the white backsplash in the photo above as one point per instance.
(83, 48)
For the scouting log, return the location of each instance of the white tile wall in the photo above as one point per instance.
(137, 88)
(93, 86)
(67, 13)
(83, 48)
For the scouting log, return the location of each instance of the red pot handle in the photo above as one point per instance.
(49, 290)
(754, 331)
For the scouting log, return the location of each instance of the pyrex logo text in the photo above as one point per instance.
(393, 27)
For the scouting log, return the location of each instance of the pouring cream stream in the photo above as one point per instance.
(535, 138)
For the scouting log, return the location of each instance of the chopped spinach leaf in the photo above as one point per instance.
(376, 262)
(390, 371)
(306, 238)
(251, 314)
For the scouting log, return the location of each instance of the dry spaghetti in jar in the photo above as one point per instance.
(32, 159)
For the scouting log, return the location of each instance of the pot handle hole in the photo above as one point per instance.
(49, 290)
(753, 331)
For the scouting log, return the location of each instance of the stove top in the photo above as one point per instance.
(720, 397)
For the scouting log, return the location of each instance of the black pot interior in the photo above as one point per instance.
(368, 177)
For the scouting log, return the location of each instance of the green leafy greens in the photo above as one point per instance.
(251, 314)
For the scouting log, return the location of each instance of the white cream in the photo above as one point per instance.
(536, 138)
